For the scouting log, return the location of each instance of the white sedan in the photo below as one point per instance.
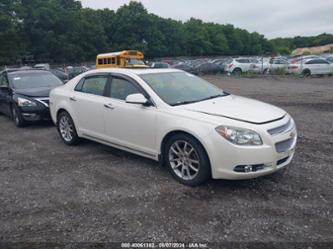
(312, 66)
(194, 128)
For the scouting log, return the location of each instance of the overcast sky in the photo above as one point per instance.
(273, 18)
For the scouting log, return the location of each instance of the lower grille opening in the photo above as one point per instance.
(284, 145)
(283, 160)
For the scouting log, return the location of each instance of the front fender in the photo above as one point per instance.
(62, 105)
(197, 129)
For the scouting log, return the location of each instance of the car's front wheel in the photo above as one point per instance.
(66, 129)
(17, 117)
(187, 160)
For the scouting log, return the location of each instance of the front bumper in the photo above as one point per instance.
(265, 159)
(36, 116)
(35, 113)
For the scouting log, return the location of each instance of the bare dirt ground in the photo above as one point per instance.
(50, 192)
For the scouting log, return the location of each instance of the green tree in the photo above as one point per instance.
(63, 31)
(11, 44)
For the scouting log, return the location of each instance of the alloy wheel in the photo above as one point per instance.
(66, 128)
(184, 160)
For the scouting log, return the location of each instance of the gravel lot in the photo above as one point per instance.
(50, 192)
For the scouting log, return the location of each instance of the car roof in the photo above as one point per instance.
(135, 70)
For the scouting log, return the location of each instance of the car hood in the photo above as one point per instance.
(35, 92)
(238, 108)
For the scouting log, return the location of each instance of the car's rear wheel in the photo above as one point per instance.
(187, 160)
(17, 117)
(237, 72)
(66, 129)
(306, 73)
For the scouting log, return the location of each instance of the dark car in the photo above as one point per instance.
(60, 74)
(185, 67)
(208, 68)
(24, 94)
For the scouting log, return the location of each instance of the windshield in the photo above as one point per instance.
(29, 80)
(132, 61)
(177, 88)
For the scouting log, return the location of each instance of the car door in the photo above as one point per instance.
(312, 65)
(5, 95)
(87, 101)
(248, 64)
(324, 67)
(129, 125)
(283, 64)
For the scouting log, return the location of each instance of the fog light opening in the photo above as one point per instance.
(249, 168)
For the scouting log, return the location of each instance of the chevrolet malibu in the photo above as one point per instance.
(194, 128)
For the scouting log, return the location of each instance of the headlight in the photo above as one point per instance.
(25, 102)
(239, 136)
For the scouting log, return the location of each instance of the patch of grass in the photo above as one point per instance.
(280, 71)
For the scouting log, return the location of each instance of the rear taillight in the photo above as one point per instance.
(231, 65)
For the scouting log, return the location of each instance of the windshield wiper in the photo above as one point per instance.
(185, 102)
(213, 97)
(199, 100)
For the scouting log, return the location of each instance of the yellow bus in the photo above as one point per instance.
(127, 58)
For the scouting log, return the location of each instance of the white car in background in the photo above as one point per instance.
(314, 66)
(194, 128)
(278, 64)
(237, 66)
(43, 66)
(260, 65)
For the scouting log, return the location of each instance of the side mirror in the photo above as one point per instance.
(137, 98)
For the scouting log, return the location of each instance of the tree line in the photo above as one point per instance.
(63, 31)
(287, 45)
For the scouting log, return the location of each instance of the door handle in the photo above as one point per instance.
(109, 106)
(72, 98)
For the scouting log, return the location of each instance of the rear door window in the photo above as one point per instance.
(243, 61)
(317, 61)
(93, 85)
(311, 62)
(322, 61)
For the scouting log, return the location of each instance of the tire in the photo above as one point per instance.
(17, 117)
(306, 73)
(66, 129)
(187, 160)
(266, 71)
(237, 72)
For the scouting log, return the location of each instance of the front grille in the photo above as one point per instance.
(281, 129)
(284, 145)
(44, 101)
